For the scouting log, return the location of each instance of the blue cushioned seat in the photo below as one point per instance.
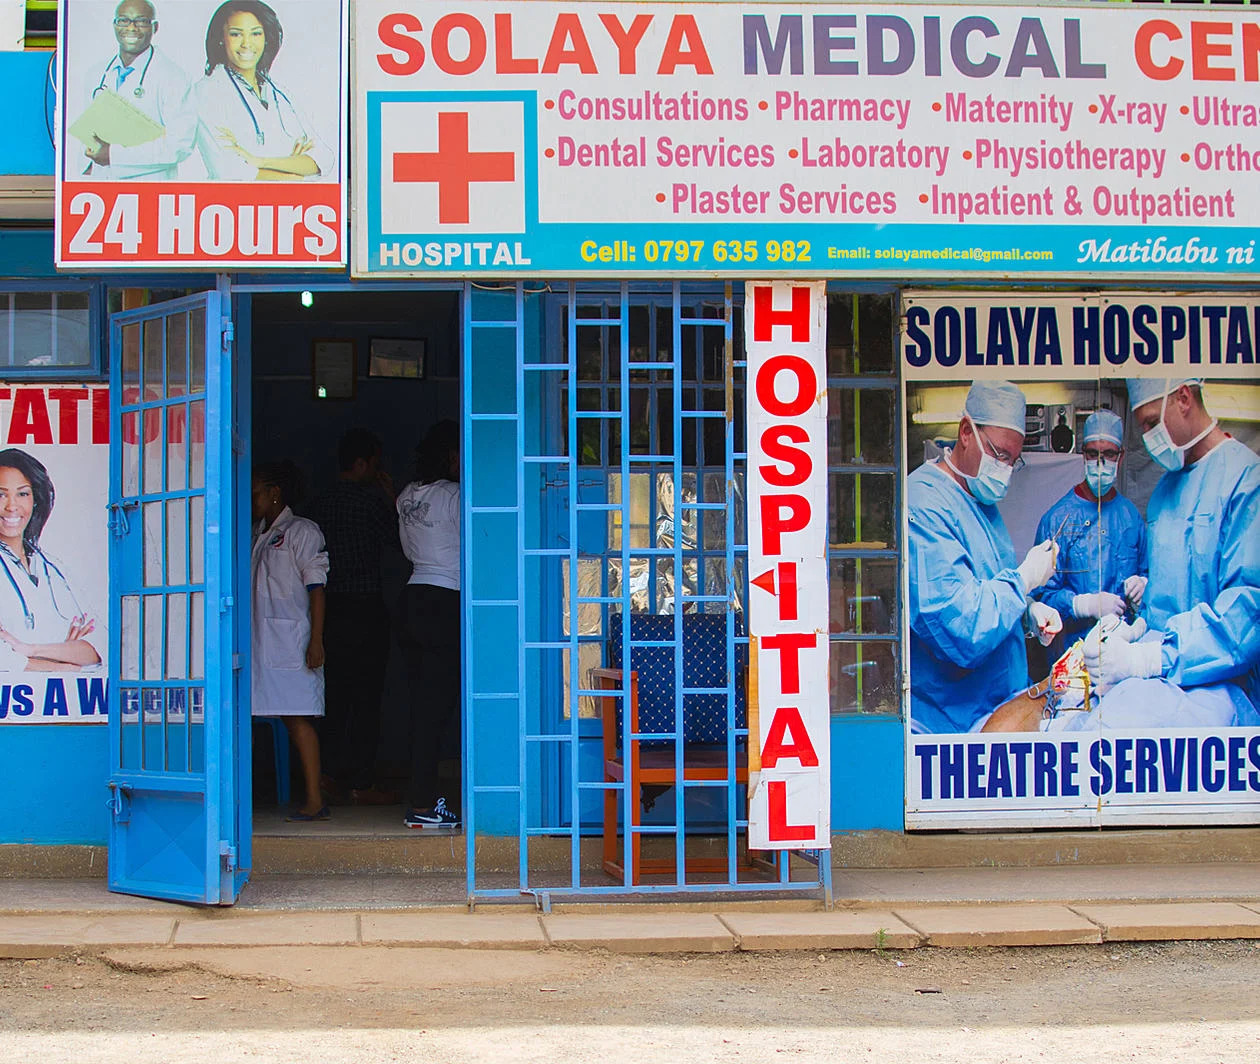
(704, 665)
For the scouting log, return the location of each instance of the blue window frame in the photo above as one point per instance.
(864, 502)
(49, 329)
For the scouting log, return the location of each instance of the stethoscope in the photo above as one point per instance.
(138, 91)
(276, 91)
(50, 569)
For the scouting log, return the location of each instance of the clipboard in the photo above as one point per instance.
(114, 120)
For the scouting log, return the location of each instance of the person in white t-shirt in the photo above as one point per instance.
(428, 525)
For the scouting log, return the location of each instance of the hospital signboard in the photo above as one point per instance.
(1119, 683)
(734, 139)
(789, 729)
(54, 548)
(201, 135)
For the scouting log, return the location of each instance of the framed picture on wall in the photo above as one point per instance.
(333, 369)
(397, 358)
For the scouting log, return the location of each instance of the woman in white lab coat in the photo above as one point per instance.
(289, 568)
(248, 127)
(42, 627)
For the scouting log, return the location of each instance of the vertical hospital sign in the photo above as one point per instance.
(789, 739)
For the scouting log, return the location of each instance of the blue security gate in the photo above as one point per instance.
(175, 738)
(605, 564)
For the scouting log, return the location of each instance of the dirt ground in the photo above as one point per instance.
(1182, 1002)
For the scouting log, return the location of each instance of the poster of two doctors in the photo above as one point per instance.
(202, 90)
(1128, 549)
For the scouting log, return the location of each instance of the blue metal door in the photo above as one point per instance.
(175, 747)
(603, 515)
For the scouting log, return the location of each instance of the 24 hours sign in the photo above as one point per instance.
(202, 135)
(628, 139)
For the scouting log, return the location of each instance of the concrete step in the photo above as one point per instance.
(155, 936)
(373, 840)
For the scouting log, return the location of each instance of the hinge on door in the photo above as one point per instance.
(229, 334)
(236, 663)
(226, 603)
(227, 857)
(238, 445)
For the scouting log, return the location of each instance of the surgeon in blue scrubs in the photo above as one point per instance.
(1101, 537)
(1199, 665)
(969, 599)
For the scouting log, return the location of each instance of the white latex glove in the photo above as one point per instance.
(1099, 604)
(1130, 633)
(1110, 657)
(1038, 565)
(1045, 621)
(1135, 590)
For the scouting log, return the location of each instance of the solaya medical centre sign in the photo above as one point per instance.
(650, 138)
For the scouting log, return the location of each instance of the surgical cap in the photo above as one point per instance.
(997, 403)
(1104, 425)
(1143, 390)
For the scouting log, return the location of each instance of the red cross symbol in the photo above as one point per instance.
(453, 166)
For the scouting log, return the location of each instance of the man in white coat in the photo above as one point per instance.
(145, 78)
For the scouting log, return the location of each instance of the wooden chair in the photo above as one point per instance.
(649, 765)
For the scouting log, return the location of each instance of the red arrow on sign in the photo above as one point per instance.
(786, 590)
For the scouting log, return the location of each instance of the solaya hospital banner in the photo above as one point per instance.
(732, 139)
(201, 134)
(1082, 517)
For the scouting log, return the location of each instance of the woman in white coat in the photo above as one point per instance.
(248, 127)
(289, 569)
(42, 626)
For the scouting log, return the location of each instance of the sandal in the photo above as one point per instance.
(305, 818)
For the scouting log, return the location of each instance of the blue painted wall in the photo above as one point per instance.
(26, 253)
(28, 103)
(54, 783)
(868, 778)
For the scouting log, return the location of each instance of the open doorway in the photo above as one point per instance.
(327, 366)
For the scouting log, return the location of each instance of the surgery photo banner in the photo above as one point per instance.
(54, 547)
(195, 134)
(1082, 515)
(734, 139)
(789, 798)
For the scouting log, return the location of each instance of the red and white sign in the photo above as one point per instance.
(453, 168)
(201, 135)
(790, 792)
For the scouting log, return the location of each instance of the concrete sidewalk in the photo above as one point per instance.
(875, 909)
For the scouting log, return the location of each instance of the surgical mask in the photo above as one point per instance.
(1100, 475)
(992, 478)
(1159, 444)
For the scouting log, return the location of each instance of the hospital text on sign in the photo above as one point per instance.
(787, 561)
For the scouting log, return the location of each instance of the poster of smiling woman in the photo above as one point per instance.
(54, 552)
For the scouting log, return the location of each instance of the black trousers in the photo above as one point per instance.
(356, 653)
(430, 636)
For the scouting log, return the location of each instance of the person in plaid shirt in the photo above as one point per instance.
(357, 518)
